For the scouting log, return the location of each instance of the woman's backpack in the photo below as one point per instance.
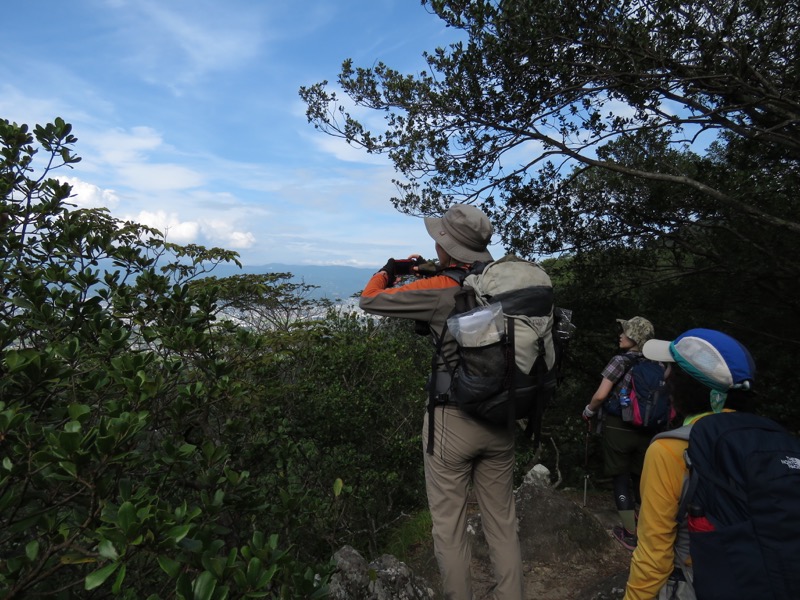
(741, 500)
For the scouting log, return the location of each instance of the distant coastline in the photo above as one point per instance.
(333, 282)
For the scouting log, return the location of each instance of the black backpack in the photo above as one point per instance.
(510, 365)
(742, 503)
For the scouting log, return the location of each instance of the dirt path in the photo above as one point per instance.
(592, 574)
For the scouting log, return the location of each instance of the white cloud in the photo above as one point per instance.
(212, 39)
(120, 146)
(88, 195)
(131, 158)
(175, 230)
(21, 108)
(241, 239)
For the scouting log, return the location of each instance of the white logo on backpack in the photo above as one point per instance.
(792, 462)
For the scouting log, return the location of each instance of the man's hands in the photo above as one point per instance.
(588, 413)
(398, 267)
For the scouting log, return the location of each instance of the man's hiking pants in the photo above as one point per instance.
(467, 451)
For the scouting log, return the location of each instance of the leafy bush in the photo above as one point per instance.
(120, 407)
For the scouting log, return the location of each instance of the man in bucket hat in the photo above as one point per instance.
(623, 444)
(712, 372)
(466, 452)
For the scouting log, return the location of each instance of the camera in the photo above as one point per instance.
(404, 266)
(424, 268)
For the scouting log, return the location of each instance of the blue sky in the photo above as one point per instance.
(188, 117)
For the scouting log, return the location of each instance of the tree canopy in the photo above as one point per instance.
(537, 84)
(651, 140)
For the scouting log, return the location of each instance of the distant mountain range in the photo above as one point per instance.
(334, 282)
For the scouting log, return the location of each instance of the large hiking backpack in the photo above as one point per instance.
(742, 502)
(511, 340)
(649, 406)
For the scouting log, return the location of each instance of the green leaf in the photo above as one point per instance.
(118, 582)
(183, 587)
(177, 533)
(70, 441)
(126, 516)
(169, 566)
(232, 555)
(125, 488)
(337, 487)
(69, 467)
(18, 359)
(214, 564)
(187, 449)
(97, 578)
(106, 550)
(254, 569)
(204, 586)
(32, 550)
(266, 577)
(76, 411)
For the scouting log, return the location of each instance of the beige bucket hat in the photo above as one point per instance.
(464, 231)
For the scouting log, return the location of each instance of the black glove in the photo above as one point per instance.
(389, 268)
(399, 267)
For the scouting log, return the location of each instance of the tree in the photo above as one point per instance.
(554, 78)
(267, 302)
(120, 409)
(597, 124)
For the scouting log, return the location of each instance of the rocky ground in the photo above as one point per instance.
(568, 551)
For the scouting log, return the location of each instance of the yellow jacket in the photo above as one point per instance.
(662, 480)
(654, 558)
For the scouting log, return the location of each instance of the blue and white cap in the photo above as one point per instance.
(712, 357)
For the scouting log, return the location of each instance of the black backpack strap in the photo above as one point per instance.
(431, 409)
(687, 492)
(533, 430)
(457, 274)
(510, 383)
(434, 398)
(545, 389)
(632, 362)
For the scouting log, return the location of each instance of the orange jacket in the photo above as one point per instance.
(430, 300)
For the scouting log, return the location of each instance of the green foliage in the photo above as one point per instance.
(164, 433)
(587, 83)
(355, 398)
(119, 408)
(406, 538)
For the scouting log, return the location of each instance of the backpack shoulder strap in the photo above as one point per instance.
(680, 433)
(456, 274)
(688, 487)
(631, 361)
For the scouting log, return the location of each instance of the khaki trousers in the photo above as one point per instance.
(466, 451)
